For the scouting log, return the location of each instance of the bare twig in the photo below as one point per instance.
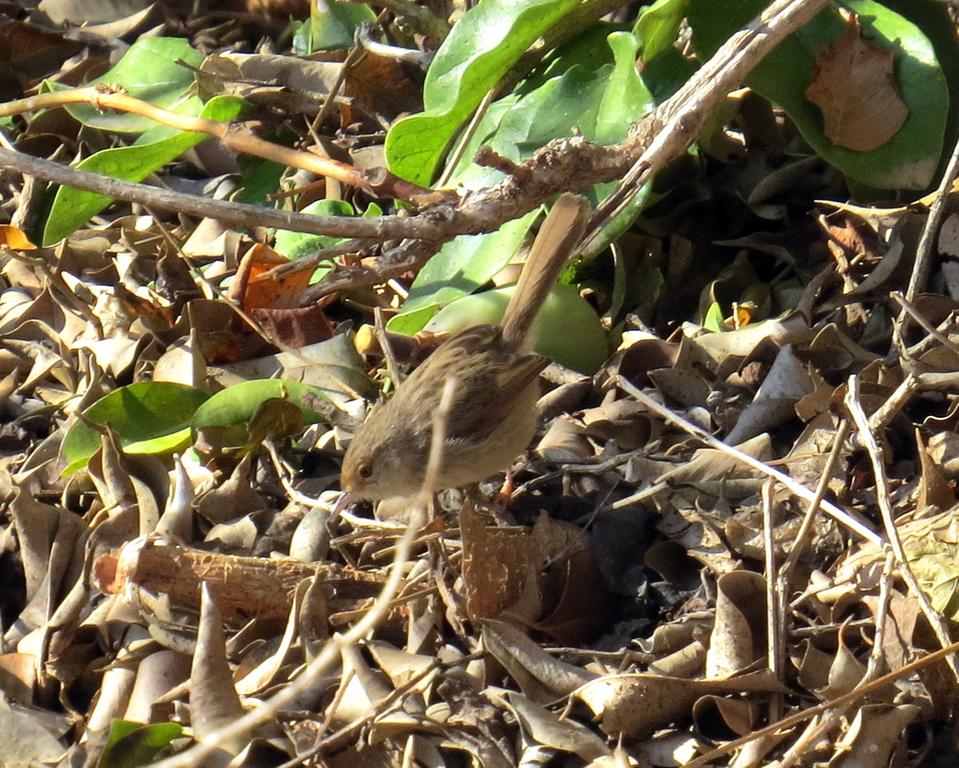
(233, 136)
(888, 519)
(840, 515)
(684, 114)
(802, 537)
(924, 251)
(800, 748)
(381, 228)
(907, 306)
(855, 694)
(775, 635)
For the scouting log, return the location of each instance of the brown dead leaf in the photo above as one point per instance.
(253, 290)
(635, 704)
(856, 88)
(15, 238)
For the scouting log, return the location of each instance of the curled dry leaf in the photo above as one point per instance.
(738, 639)
(634, 705)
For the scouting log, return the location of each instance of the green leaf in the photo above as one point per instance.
(333, 24)
(237, 404)
(479, 50)
(149, 417)
(658, 26)
(156, 69)
(714, 318)
(909, 159)
(566, 330)
(459, 268)
(296, 245)
(132, 745)
(259, 178)
(601, 101)
(72, 207)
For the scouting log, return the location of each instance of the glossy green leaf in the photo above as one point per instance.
(333, 23)
(72, 207)
(714, 318)
(132, 745)
(600, 101)
(149, 417)
(460, 267)
(296, 245)
(238, 404)
(909, 159)
(657, 26)
(156, 69)
(566, 330)
(477, 53)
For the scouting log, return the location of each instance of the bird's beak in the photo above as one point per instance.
(342, 503)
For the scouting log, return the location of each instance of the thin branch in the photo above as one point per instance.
(775, 638)
(855, 694)
(840, 515)
(907, 306)
(684, 115)
(924, 251)
(888, 519)
(242, 214)
(234, 136)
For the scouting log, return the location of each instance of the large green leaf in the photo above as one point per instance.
(333, 23)
(156, 69)
(72, 207)
(567, 328)
(148, 417)
(296, 245)
(590, 93)
(657, 26)
(478, 52)
(237, 404)
(909, 159)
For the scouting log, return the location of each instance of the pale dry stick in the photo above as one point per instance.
(928, 327)
(927, 342)
(815, 731)
(805, 528)
(774, 619)
(886, 412)
(840, 701)
(924, 251)
(889, 521)
(685, 114)
(457, 154)
(332, 651)
(837, 513)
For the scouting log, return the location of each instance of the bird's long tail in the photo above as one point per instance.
(554, 244)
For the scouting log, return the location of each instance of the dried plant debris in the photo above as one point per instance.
(733, 540)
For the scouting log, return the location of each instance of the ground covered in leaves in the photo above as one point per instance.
(733, 541)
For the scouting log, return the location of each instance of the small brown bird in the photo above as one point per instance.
(493, 415)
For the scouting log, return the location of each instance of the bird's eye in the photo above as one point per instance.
(366, 471)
